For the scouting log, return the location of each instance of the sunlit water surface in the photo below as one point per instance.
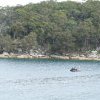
(49, 80)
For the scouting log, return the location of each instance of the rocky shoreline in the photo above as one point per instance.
(27, 56)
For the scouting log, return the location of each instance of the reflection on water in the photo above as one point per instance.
(48, 80)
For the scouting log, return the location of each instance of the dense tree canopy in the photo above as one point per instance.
(54, 27)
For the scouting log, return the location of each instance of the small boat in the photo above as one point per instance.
(74, 70)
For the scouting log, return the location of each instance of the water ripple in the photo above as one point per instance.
(52, 80)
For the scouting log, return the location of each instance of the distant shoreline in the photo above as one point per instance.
(27, 56)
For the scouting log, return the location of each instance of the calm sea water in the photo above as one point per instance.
(49, 80)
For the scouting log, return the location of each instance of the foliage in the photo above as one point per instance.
(55, 27)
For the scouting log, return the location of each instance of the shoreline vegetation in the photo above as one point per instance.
(50, 29)
(61, 57)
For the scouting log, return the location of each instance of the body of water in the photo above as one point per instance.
(23, 79)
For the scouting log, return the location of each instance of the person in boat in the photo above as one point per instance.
(74, 69)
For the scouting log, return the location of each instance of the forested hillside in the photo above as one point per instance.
(50, 26)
